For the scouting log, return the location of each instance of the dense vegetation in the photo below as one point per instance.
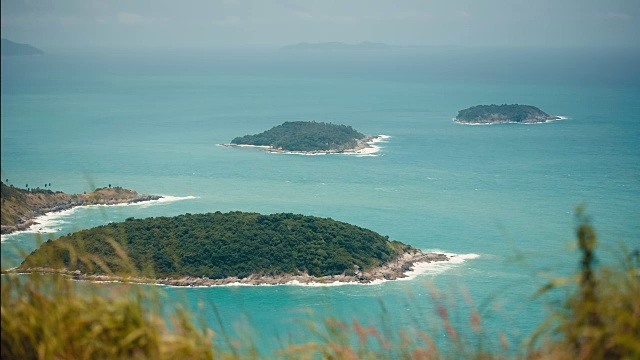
(218, 245)
(304, 136)
(514, 112)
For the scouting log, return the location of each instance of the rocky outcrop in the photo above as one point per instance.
(21, 207)
(503, 119)
(393, 270)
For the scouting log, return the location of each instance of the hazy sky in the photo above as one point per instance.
(50, 24)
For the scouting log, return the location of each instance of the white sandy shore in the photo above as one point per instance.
(438, 267)
(49, 222)
(366, 148)
(455, 120)
(417, 269)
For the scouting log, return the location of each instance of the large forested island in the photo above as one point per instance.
(502, 114)
(21, 206)
(222, 248)
(307, 137)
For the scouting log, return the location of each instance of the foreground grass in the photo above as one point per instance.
(44, 317)
(47, 317)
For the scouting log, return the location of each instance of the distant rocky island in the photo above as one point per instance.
(503, 114)
(310, 137)
(226, 248)
(336, 46)
(21, 206)
(10, 48)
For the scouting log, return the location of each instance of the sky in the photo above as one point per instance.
(208, 24)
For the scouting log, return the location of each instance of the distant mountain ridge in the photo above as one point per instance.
(10, 48)
(334, 45)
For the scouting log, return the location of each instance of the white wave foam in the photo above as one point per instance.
(164, 199)
(417, 270)
(437, 267)
(371, 150)
(368, 151)
(50, 222)
(380, 139)
(510, 122)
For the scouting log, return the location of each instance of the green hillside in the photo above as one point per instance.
(503, 113)
(217, 245)
(304, 136)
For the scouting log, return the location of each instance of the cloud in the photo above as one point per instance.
(616, 16)
(29, 21)
(463, 14)
(133, 19)
(301, 15)
(230, 20)
(341, 19)
(99, 5)
(70, 21)
(410, 15)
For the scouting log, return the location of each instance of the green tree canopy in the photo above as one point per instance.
(513, 112)
(304, 136)
(219, 245)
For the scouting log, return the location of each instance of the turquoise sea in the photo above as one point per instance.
(502, 197)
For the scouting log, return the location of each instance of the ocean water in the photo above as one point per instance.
(502, 197)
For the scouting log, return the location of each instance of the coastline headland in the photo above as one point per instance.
(21, 208)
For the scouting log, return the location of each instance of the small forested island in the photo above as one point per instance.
(308, 137)
(10, 48)
(503, 114)
(224, 248)
(21, 206)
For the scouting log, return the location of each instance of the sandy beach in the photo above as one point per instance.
(481, 123)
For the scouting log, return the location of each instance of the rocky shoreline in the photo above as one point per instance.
(39, 204)
(503, 120)
(393, 270)
(362, 146)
